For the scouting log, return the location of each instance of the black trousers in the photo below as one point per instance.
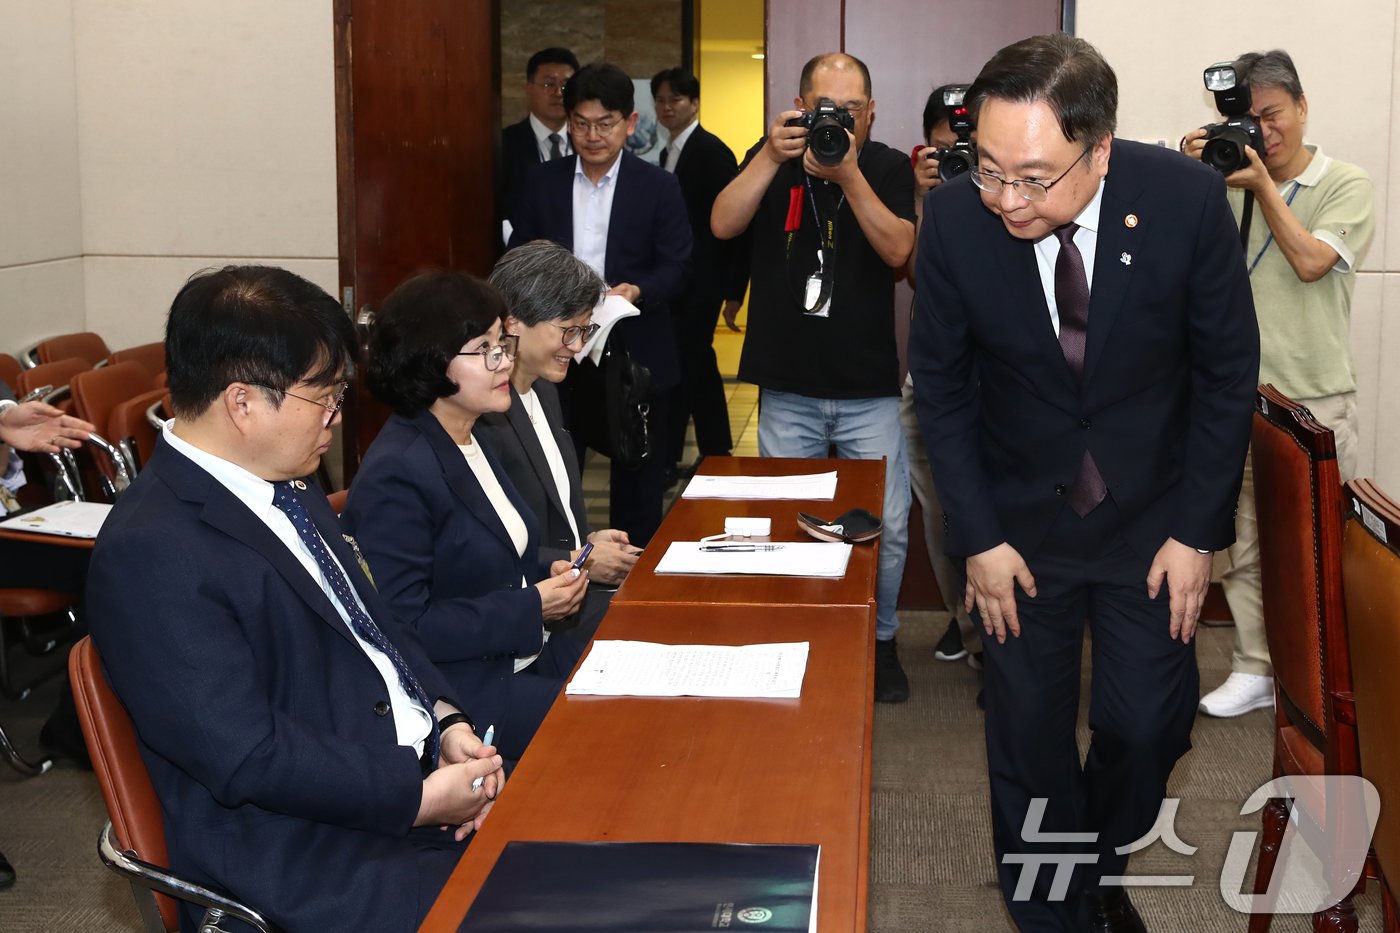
(1144, 691)
(701, 393)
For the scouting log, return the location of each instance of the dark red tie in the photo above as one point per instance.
(1072, 303)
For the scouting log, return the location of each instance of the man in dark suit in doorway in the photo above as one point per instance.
(541, 136)
(704, 165)
(1084, 354)
(626, 219)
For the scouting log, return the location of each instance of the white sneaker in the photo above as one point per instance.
(1239, 694)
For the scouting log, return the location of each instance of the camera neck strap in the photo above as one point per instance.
(1244, 228)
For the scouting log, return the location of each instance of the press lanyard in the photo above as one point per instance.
(1270, 238)
(818, 305)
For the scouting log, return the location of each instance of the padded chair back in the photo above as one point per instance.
(10, 370)
(126, 785)
(1371, 569)
(56, 374)
(96, 392)
(337, 500)
(87, 346)
(1297, 489)
(128, 423)
(150, 356)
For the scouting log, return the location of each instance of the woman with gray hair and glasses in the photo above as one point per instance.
(550, 296)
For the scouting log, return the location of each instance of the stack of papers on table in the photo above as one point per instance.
(68, 518)
(807, 486)
(645, 669)
(785, 559)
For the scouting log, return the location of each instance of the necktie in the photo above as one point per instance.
(286, 498)
(1072, 303)
(554, 150)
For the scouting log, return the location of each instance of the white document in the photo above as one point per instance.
(606, 313)
(784, 559)
(804, 486)
(646, 669)
(70, 519)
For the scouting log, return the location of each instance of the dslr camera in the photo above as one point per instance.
(1226, 142)
(962, 155)
(826, 131)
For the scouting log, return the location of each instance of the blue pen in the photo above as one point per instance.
(486, 739)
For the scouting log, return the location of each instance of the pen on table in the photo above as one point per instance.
(486, 739)
(741, 547)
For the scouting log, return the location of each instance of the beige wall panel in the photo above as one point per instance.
(40, 300)
(1387, 465)
(129, 297)
(1367, 323)
(206, 128)
(1160, 50)
(40, 213)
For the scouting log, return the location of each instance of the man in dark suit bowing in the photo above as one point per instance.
(307, 755)
(541, 136)
(703, 164)
(1084, 355)
(626, 219)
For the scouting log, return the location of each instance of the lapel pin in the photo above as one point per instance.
(1130, 221)
(300, 485)
(1126, 259)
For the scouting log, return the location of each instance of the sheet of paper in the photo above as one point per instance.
(802, 486)
(646, 669)
(70, 519)
(783, 559)
(608, 312)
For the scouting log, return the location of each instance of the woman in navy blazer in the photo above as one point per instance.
(451, 545)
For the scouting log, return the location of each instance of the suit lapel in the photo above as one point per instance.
(1113, 258)
(554, 414)
(622, 192)
(224, 511)
(1020, 275)
(519, 421)
(460, 478)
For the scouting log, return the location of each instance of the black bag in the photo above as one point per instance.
(608, 406)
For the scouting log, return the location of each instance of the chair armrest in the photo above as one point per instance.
(161, 880)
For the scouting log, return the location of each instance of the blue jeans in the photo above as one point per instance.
(791, 425)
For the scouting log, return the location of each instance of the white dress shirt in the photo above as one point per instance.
(677, 143)
(410, 719)
(1047, 250)
(592, 213)
(542, 132)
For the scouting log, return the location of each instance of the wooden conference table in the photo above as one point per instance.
(633, 769)
(859, 484)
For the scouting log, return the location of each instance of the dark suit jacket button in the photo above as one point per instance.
(1084, 423)
(381, 708)
(1061, 489)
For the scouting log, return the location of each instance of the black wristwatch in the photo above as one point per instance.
(451, 719)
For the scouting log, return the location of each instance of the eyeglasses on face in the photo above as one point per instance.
(575, 331)
(331, 403)
(603, 127)
(493, 356)
(1028, 190)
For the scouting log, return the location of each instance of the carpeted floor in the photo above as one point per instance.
(931, 865)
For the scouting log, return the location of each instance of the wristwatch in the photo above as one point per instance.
(451, 719)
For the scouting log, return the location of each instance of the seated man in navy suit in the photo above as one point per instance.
(307, 756)
(626, 219)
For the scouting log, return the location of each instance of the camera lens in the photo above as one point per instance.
(952, 163)
(1224, 151)
(828, 140)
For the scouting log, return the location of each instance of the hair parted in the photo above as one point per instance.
(604, 82)
(1065, 72)
(542, 281)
